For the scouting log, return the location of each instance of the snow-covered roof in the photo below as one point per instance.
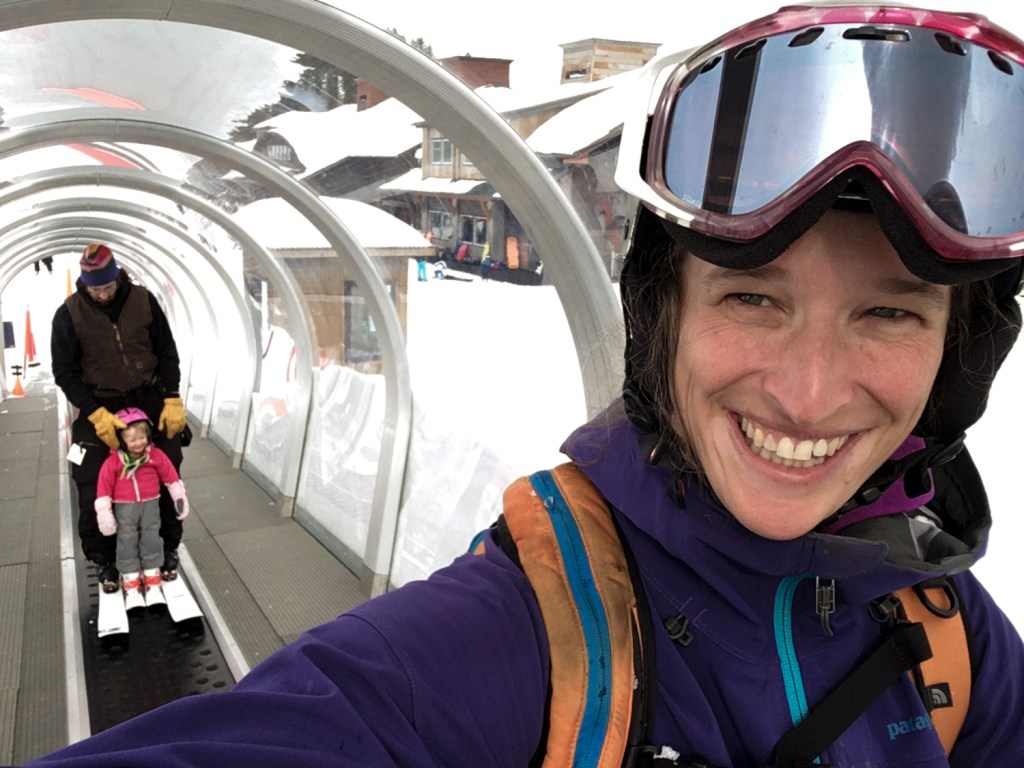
(276, 224)
(538, 97)
(321, 139)
(588, 121)
(413, 181)
(294, 121)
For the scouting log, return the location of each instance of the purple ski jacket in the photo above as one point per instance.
(452, 671)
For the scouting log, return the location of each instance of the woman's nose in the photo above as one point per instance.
(812, 373)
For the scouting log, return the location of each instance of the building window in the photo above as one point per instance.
(440, 152)
(441, 224)
(279, 153)
(473, 229)
(360, 330)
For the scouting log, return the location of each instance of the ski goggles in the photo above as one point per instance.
(732, 138)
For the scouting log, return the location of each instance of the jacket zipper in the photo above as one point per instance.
(796, 696)
(120, 346)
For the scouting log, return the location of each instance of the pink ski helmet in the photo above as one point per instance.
(131, 415)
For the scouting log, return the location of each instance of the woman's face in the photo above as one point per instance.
(796, 380)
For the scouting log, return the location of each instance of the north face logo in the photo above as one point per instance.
(939, 696)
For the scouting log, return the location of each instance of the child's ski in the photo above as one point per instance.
(133, 598)
(113, 616)
(180, 603)
(154, 595)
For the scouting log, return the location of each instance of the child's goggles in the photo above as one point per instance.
(736, 135)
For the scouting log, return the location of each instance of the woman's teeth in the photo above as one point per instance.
(787, 451)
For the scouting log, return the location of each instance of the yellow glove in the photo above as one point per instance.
(106, 425)
(172, 416)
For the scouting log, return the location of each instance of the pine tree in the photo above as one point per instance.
(320, 86)
(419, 43)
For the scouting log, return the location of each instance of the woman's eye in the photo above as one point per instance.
(753, 299)
(890, 313)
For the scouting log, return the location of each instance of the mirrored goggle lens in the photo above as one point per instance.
(750, 124)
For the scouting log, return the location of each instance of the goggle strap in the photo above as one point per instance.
(732, 254)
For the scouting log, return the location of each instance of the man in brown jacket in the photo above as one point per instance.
(112, 347)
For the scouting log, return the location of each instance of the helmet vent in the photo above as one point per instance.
(1000, 63)
(806, 37)
(949, 45)
(710, 65)
(750, 50)
(869, 32)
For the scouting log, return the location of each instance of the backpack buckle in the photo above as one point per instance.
(650, 756)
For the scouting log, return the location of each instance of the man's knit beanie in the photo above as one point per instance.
(98, 265)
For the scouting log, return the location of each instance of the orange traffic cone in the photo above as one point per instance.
(18, 391)
(30, 342)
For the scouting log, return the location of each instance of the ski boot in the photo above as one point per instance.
(151, 578)
(107, 577)
(169, 570)
(131, 583)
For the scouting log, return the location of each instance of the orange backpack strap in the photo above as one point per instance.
(945, 679)
(574, 559)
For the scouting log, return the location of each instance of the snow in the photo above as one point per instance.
(388, 129)
(586, 122)
(276, 224)
(413, 180)
(993, 446)
(321, 139)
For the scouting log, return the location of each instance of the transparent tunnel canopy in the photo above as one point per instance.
(369, 289)
(190, 75)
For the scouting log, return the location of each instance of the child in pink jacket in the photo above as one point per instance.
(127, 501)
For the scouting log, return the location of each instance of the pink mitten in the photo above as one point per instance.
(177, 491)
(105, 516)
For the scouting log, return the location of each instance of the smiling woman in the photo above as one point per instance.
(810, 333)
(834, 346)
